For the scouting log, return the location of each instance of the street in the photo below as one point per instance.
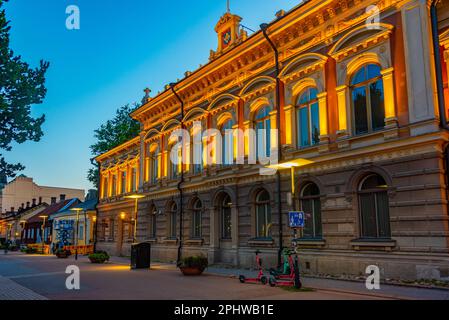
(43, 277)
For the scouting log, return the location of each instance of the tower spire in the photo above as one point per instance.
(228, 6)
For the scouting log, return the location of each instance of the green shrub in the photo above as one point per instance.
(99, 257)
(199, 262)
(29, 250)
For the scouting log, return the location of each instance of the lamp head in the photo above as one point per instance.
(264, 26)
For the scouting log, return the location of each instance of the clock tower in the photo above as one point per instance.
(229, 34)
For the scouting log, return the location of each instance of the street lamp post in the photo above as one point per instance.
(43, 232)
(23, 223)
(136, 198)
(78, 210)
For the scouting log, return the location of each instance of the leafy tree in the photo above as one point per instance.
(112, 134)
(20, 87)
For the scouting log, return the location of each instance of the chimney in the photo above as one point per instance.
(40, 200)
(12, 209)
(28, 204)
(34, 202)
(53, 200)
(23, 205)
(61, 197)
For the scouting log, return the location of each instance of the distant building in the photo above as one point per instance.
(23, 192)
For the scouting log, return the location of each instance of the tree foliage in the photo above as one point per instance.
(112, 134)
(20, 87)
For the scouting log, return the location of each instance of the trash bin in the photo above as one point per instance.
(140, 256)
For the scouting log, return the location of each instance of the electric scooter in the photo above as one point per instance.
(261, 278)
(293, 279)
(288, 269)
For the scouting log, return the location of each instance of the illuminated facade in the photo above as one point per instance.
(358, 99)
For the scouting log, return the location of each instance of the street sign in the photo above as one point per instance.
(296, 219)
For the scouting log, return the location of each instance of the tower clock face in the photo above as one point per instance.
(227, 37)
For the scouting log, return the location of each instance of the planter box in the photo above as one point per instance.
(192, 271)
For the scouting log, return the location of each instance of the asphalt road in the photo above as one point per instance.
(45, 276)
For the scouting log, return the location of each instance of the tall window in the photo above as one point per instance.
(175, 168)
(196, 219)
(374, 208)
(153, 222)
(368, 99)
(105, 190)
(308, 121)
(114, 185)
(263, 128)
(263, 215)
(134, 179)
(173, 220)
(227, 143)
(197, 154)
(123, 183)
(226, 222)
(311, 205)
(154, 166)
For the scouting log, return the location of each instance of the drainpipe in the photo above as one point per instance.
(264, 28)
(439, 80)
(181, 195)
(95, 163)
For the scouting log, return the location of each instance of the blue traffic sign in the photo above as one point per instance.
(296, 219)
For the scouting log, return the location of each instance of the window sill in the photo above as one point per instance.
(170, 241)
(261, 242)
(152, 240)
(194, 242)
(310, 243)
(372, 244)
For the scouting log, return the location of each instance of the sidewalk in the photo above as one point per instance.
(10, 290)
(331, 285)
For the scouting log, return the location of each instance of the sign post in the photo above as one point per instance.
(296, 221)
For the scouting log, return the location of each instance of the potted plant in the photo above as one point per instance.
(99, 257)
(193, 266)
(63, 254)
(30, 250)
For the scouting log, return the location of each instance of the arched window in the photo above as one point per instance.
(153, 223)
(173, 214)
(262, 125)
(175, 167)
(114, 185)
(311, 205)
(368, 99)
(227, 143)
(307, 117)
(197, 154)
(374, 208)
(226, 222)
(263, 215)
(196, 219)
(154, 166)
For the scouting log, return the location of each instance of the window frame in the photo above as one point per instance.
(264, 205)
(313, 199)
(308, 105)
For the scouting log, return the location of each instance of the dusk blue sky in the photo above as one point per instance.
(122, 47)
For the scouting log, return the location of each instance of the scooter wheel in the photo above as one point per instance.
(242, 279)
(263, 280)
(272, 282)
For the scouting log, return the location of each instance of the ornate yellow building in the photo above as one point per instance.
(360, 95)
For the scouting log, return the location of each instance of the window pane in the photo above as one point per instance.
(359, 77)
(317, 217)
(377, 105)
(306, 206)
(304, 127)
(373, 71)
(360, 112)
(260, 223)
(315, 114)
(368, 215)
(383, 216)
(268, 137)
(268, 221)
(226, 223)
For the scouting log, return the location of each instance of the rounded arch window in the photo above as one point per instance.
(153, 222)
(227, 142)
(173, 214)
(307, 117)
(153, 170)
(367, 94)
(196, 218)
(263, 215)
(311, 206)
(262, 124)
(374, 207)
(225, 213)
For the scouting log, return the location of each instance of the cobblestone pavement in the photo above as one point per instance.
(10, 290)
